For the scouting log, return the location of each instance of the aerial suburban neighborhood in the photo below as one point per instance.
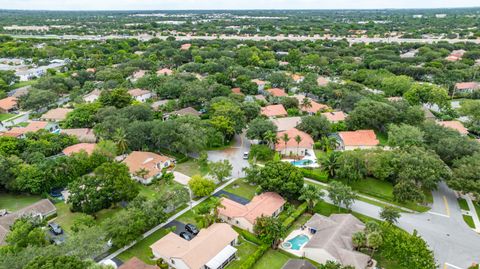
(239, 134)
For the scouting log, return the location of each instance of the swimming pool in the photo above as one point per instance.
(301, 162)
(298, 241)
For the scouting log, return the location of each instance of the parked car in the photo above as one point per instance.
(55, 228)
(185, 236)
(191, 228)
(245, 155)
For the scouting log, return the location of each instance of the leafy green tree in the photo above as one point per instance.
(58, 262)
(334, 265)
(427, 94)
(311, 194)
(374, 241)
(201, 186)
(396, 85)
(269, 230)
(351, 166)
(359, 239)
(466, 175)
(369, 114)
(117, 97)
(316, 126)
(404, 136)
(258, 128)
(221, 169)
(83, 116)
(341, 194)
(229, 109)
(406, 190)
(281, 177)
(330, 163)
(390, 214)
(25, 232)
(37, 99)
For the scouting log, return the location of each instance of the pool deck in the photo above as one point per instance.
(299, 252)
(312, 158)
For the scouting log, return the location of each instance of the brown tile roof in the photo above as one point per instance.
(359, 138)
(277, 92)
(322, 81)
(84, 135)
(56, 114)
(307, 140)
(456, 125)
(335, 116)
(274, 111)
(201, 249)
(136, 263)
(87, 147)
(8, 103)
(138, 92)
(237, 91)
(258, 82)
(139, 74)
(264, 204)
(165, 72)
(185, 46)
(297, 77)
(186, 111)
(146, 160)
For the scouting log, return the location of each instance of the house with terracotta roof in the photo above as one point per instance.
(213, 247)
(164, 72)
(85, 147)
(140, 95)
(136, 263)
(33, 126)
(297, 78)
(291, 147)
(91, 70)
(84, 135)
(92, 96)
(277, 92)
(267, 204)
(467, 87)
(286, 123)
(186, 46)
(309, 106)
(137, 75)
(272, 111)
(360, 139)
(455, 55)
(335, 116)
(41, 209)
(331, 240)
(322, 81)
(455, 125)
(260, 84)
(8, 105)
(56, 114)
(146, 166)
(237, 91)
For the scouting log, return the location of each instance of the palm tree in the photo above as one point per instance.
(330, 164)
(285, 139)
(306, 102)
(271, 138)
(142, 172)
(120, 139)
(328, 143)
(311, 194)
(298, 139)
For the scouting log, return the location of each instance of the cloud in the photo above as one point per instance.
(228, 4)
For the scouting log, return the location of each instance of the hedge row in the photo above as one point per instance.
(315, 174)
(252, 259)
(295, 215)
(248, 236)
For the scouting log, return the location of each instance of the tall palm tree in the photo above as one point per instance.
(306, 102)
(120, 139)
(285, 139)
(298, 139)
(311, 194)
(271, 138)
(330, 164)
(329, 143)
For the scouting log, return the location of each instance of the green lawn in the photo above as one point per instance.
(5, 116)
(382, 262)
(191, 168)
(463, 204)
(272, 259)
(245, 249)
(469, 221)
(242, 188)
(66, 218)
(382, 137)
(13, 202)
(141, 249)
(23, 84)
(477, 208)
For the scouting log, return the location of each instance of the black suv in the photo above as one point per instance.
(191, 228)
(185, 236)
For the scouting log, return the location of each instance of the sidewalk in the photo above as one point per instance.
(473, 212)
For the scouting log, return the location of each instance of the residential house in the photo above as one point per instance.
(186, 46)
(455, 125)
(42, 209)
(91, 70)
(164, 72)
(188, 111)
(286, 123)
(136, 263)
(140, 95)
(260, 84)
(277, 92)
(33, 126)
(335, 116)
(85, 147)
(360, 139)
(237, 91)
(137, 75)
(313, 107)
(455, 55)
(291, 147)
(84, 135)
(92, 96)
(268, 204)
(212, 248)
(19, 92)
(273, 111)
(297, 78)
(56, 114)
(322, 81)
(298, 264)
(467, 87)
(8, 105)
(331, 240)
(158, 104)
(145, 166)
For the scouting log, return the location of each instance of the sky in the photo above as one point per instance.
(229, 4)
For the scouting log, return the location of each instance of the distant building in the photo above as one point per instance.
(33, 126)
(286, 123)
(277, 92)
(137, 75)
(136, 263)
(149, 163)
(188, 111)
(260, 84)
(335, 116)
(84, 135)
(186, 46)
(140, 95)
(56, 114)
(85, 147)
(92, 96)
(360, 139)
(272, 111)
(8, 105)
(291, 147)
(455, 125)
(467, 87)
(164, 72)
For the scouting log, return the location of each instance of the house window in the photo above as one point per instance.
(173, 262)
(237, 222)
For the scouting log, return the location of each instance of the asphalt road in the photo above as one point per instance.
(234, 154)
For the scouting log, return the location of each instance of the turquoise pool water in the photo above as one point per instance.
(301, 162)
(298, 241)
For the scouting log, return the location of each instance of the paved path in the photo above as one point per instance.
(192, 204)
(234, 154)
(473, 212)
(351, 40)
(455, 245)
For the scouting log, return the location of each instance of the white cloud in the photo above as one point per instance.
(228, 4)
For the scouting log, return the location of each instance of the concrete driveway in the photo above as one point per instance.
(234, 154)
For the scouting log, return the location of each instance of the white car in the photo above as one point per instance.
(245, 155)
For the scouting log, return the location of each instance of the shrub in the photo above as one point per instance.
(295, 215)
(252, 259)
(248, 236)
(261, 152)
(315, 174)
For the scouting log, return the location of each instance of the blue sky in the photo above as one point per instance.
(229, 4)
